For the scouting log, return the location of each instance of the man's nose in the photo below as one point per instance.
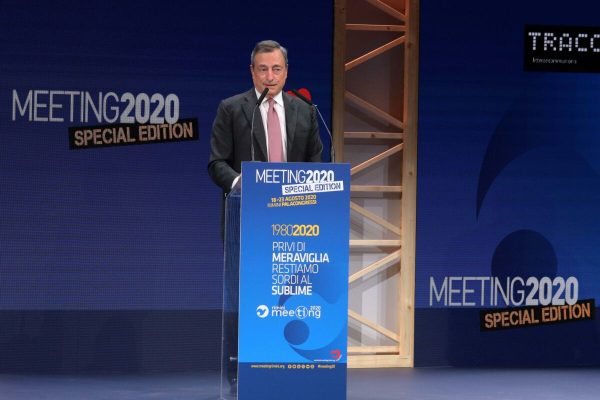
(270, 74)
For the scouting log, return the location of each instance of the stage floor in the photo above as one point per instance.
(385, 384)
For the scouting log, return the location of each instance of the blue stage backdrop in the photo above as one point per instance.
(110, 243)
(508, 225)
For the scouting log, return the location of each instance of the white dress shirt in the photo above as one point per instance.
(264, 108)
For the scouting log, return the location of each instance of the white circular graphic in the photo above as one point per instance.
(262, 311)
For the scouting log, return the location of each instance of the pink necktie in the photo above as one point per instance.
(274, 133)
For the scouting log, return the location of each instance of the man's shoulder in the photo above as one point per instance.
(239, 98)
(295, 103)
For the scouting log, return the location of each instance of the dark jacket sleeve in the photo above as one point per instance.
(222, 149)
(314, 146)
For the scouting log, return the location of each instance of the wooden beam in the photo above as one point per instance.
(373, 110)
(373, 325)
(385, 261)
(406, 289)
(375, 218)
(373, 135)
(376, 159)
(378, 361)
(374, 53)
(373, 349)
(375, 27)
(375, 189)
(361, 243)
(387, 9)
(339, 79)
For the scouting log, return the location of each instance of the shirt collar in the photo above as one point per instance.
(278, 97)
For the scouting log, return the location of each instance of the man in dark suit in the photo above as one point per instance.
(231, 141)
(285, 130)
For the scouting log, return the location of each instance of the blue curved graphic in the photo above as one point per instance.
(296, 332)
(553, 111)
(324, 353)
(524, 253)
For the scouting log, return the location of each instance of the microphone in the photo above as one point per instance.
(262, 96)
(302, 97)
(260, 99)
(310, 103)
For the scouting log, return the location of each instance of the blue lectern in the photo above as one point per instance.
(286, 249)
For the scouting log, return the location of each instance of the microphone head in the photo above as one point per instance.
(303, 97)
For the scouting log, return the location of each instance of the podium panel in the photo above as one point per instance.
(231, 279)
(293, 281)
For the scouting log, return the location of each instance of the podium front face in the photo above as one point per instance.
(229, 344)
(293, 299)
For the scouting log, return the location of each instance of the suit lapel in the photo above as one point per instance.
(259, 130)
(291, 114)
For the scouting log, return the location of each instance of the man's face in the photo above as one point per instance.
(269, 71)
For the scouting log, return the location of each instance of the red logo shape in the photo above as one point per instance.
(303, 91)
(336, 354)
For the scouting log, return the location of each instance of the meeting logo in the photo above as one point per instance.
(300, 312)
(561, 48)
(262, 311)
(106, 119)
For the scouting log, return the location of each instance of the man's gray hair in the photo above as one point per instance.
(268, 46)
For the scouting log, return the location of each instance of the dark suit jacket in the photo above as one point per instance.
(230, 141)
